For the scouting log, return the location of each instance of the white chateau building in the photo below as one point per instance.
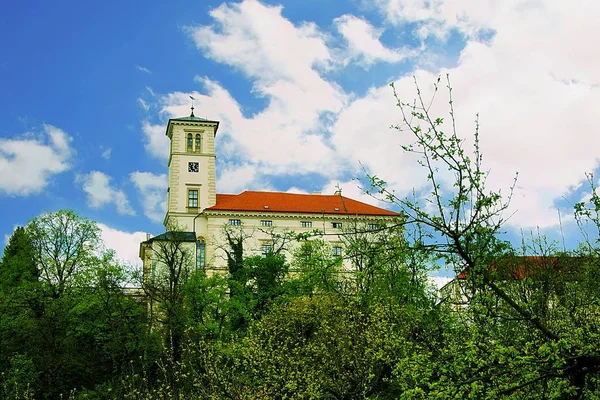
(201, 215)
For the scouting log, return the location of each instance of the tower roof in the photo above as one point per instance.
(193, 119)
(190, 118)
(296, 203)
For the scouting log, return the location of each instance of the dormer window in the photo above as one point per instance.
(190, 143)
(198, 144)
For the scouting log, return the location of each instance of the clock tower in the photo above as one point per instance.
(192, 180)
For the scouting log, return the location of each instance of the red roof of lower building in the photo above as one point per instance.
(296, 203)
(521, 267)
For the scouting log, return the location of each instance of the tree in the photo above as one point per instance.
(507, 344)
(20, 303)
(65, 244)
(18, 261)
(65, 323)
(172, 260)
(316, 267)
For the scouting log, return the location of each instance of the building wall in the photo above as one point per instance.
(210, 228)
(213, 225)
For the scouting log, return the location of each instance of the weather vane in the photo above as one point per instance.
(192, 106)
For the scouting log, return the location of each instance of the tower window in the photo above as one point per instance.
(193, 198)
(198, 144)
(190, 143)
(306, 224)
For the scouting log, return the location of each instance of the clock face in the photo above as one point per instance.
(193, 167)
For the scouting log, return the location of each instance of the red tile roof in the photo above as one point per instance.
(520, 267)
(296, 203)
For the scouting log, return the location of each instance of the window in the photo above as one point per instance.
(266, 249)
(374, 227)
(306, 224)
(235, 250)
(336, 225)
(198, 144)
(189, 143)
(200, 254)
(266, 223)
(337, 251)
(192, 198)
(235, 222)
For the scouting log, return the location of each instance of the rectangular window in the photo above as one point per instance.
(235, 222)
(373, 227)
(265, 249)
(266, 223)
(337, 251)
(192, 198)
(306, 224)
(336, 225)
(200, 254)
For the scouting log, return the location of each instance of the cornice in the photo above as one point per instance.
(183, 153)
(290, 215)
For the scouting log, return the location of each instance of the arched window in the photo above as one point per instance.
(198, 144)
(189, 143)
(200, 253)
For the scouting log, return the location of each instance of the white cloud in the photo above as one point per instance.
(353, 190)
(533, 80)
(100, 193)
(143, 69)
(143, 104)
(151, 91)
(237, 178)
(283, 61)
(107, 153)
(537, 106)
(436, 18)
(152, 191)
(296, 190)
(363, 41)
(125, 244)
(27, 164)
(157, 143)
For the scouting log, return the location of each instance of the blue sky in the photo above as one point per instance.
(301, 91)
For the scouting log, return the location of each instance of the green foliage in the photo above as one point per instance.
(19, 380)
(18, 265)
(65, 245)
(64, 321)
(315, 268)
(517, 325)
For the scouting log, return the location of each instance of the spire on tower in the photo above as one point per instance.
(192, 114)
